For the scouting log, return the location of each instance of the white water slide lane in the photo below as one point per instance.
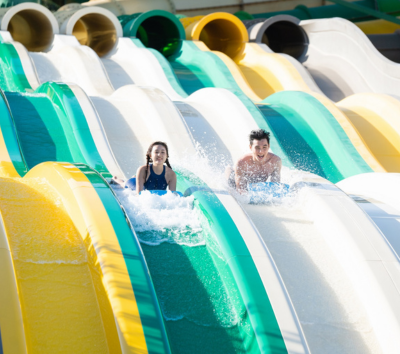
(330, 296)
(343, 61)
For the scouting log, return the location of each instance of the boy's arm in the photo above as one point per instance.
(241, 184)
(276, 173)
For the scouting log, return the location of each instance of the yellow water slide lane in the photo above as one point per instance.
(67, 285)
(377, 120)
(354, 135)
(260, 74)
(57, 294)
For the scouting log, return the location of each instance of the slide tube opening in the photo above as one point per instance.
(97, 32)
(282, 34)
(156, 29)
(221, 32)
(30, 24)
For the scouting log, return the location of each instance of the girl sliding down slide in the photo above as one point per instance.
(154, 175)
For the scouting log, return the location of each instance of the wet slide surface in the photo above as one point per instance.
(40, 132)
(200, 314)
(60, 307)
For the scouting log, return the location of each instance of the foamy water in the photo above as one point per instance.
(178, 246)
(167, 218)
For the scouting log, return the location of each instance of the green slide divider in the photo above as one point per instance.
(75, 126)
(237, 264)
(12, 75)
(10, 137)
(157, 29)
(311, 136)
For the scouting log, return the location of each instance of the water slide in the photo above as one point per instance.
(249, 290)
(362, 343)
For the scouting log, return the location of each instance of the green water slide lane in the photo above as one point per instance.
(10, 137)
(257, 323)
(52, 127)
(311, 137)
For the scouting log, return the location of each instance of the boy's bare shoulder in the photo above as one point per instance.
(243, 160)
(275, 158)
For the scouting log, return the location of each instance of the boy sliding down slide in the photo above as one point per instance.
(256, 166)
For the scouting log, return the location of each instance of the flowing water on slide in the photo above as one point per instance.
(200, 314)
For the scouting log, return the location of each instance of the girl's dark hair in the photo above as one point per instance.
(148, 156)
(258, 135)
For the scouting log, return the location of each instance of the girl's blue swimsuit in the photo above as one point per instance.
(156, 182)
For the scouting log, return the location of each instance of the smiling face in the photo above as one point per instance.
(259, 150)
(158, 154)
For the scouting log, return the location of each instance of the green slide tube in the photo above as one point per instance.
(156, 29)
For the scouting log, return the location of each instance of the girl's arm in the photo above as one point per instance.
(171, 180)
(140, 179)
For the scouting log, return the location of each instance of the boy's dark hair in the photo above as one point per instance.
(258, 135)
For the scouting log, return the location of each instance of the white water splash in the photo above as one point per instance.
(167, 218)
